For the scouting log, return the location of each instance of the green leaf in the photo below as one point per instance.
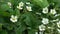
(41, 3)
(31, 20)
(31, 32)
(4, 7)
(4, 32)
(20, 29)
(11, 11)
(17, 12)
(6, 14)
(1, 21)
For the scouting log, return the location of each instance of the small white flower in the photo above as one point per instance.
(27, 2)
(9, 3)
(45, 10)
(21, 4)
(58, 24)
(58, 30)
(13, 18)
(42, 27)
(45, 21)
(53, 11)
(29, 8)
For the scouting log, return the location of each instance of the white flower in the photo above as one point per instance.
(29, 8)
(45, 10)
(45, 21)
(20, 5)
(27, 2)
(9, 3)
(42, 27)
(53, 11)
(58, 30)
(13, 18)
(58, 24)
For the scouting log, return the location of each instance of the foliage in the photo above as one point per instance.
(28, 20)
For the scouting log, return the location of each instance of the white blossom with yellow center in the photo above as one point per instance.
(29, 8)
(45, 21)
(13, 18)
(53, 11)
(42, 27)
(20, 5)
(58, 24)
(45, 10)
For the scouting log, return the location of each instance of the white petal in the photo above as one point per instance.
(40, 32)
(57, 15)
(41, 27)
(58, 30)
(53, 11)
(49, 27)
(29, 8)
(58, 24)
(16, 17)
(13, 20)
(27, 2)
(9, 3)
(16, 20)
(12, 16)
(10, 19)
(36, 32)
(19, 7)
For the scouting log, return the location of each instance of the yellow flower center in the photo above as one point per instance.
(59, 24)
(13, 18)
